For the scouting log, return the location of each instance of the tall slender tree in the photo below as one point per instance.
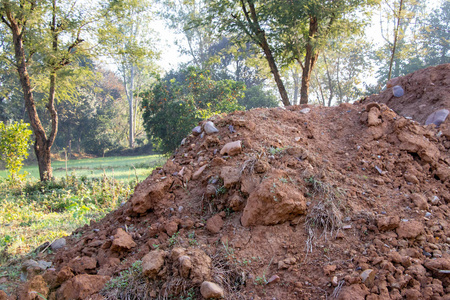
(36, 36)
(125, 38)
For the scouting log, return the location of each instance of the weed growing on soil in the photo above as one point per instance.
(173, 239)
(130, 284)
(275, 151)
(192, 240)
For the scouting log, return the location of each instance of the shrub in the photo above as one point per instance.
(179, 101)
(14, 142)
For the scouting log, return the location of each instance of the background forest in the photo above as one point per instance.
(93, 81)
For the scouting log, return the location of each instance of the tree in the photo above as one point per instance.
(400, 24)
(288, 31)
(96, 122)
(435, 36)
(341, 70)
(125, 38)
(177, 102)
(50, 32)
(179, 15)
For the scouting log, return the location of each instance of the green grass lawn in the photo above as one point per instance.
(118, 167)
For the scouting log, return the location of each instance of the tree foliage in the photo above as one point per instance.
(177, 102)
(288, 31)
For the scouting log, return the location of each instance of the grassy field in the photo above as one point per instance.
(32, 213)
(118, 167)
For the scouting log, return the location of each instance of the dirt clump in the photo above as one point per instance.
(347, 202)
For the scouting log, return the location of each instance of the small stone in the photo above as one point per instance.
(388, 223)
(435, 200)
(305, 110)
(210, 128)
(185, 266)
(231, 148)
(58, 244)
(171, 228)
(368, 277)
(199, 172)
(122, 241)
(82, 264)
(392, 82)
(211, 290)
(334, 281)
(437, 254)
(282, 265)
(197, 130)
(346, 227)
(410, 229)
(437, 118)
(273, 279)
(152, 263)
(411, 178)
(328, 269)
(398, 91)
(419, 201)
(214, 224)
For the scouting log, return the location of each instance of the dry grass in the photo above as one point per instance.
(326, 212)
(228, 273)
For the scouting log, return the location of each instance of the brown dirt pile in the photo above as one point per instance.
(308, 202)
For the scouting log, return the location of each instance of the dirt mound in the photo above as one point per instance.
(425, 92)
(350, 202)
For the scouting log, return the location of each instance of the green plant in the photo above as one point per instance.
(173, 239)
(222, 190)
(229, 252)
(275, 151)
(190, 295)
(124, 278)
(192, 240)
(14, 142)
(283, 180)
(273, 190)
(261, 280)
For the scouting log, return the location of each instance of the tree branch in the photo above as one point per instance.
(6, 22)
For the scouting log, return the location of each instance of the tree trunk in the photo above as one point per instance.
(395, 39)
(262, 40)
(130, 103)
(41, 144)
(295, 77)
(330, 82)
(310, 61)
(274, 69)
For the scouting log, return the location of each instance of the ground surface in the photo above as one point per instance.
(348, 202)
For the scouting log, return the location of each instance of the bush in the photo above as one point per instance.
(14, 142)
(179, 101)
